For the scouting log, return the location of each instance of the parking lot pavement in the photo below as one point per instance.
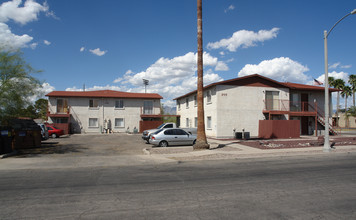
(89, 150)
(88, 145)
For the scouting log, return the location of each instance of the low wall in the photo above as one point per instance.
(145, 125)
(269, 129)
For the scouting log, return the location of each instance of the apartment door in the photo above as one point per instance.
(304, 125)
(305, 101)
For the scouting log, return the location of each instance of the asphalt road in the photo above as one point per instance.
(285, 188)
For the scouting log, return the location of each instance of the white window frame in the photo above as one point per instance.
(187, 122)
(121, 104)
(196, 122)
(118, 126)
(96, 124)
(195, 101)
(94, 101)
(208, 122)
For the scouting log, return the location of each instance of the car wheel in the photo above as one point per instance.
(53, 135)
(163, 144)
(194, 142)
(148, 140)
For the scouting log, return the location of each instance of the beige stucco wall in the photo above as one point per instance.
(80, 111)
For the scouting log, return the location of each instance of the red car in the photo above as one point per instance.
(54, 132)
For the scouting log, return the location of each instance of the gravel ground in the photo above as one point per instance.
(275, 144)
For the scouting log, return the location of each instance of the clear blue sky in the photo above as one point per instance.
(114, 44)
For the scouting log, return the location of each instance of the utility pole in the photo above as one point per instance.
(201, 142)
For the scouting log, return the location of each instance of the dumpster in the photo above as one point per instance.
(5, 140)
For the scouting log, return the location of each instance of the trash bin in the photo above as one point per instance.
(6, 140)
(246, 135)
(238, 135)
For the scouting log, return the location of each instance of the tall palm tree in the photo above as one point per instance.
(201, 142)
(345, 93)
(338, 84)
(352, 81)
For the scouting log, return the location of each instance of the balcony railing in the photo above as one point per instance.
(288, 106)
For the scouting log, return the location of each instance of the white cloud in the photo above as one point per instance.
(334, 65)
(338, 65)
(98, 52)
(29, 12)
(230, 8)
(346, 66)
(172, 77)
(282, 69)
(244, 39)
(221, 66)
(33, 45)
(94, 88)
(337, 75)
(10, 40)
(82, 49)
(11, 10)
(47, 42)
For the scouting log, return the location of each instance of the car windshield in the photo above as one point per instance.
(160, 126)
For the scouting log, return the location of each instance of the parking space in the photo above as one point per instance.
(89, 144)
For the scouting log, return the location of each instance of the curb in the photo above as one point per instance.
(13, 153)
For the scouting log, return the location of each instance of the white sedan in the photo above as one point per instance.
(172, 136)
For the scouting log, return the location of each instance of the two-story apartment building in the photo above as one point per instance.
(101, 111)
(239, 104)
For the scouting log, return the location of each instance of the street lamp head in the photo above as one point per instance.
(353, 12)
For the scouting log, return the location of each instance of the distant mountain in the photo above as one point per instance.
(169, 110)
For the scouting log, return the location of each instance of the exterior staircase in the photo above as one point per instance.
(321, 120)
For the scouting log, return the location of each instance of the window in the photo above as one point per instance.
(187, 122)
(147, 107)
(272, 100)
(209, 122)
(62, 106)
(195, 101)
(93, 103)
(119, 104)
(196, 122)
(119, 123)
(178, 104)
(187, 102)
(168, 132)
(208, 96)
(93, 122)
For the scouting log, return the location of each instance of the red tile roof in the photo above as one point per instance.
(251, 79)
(104, 94)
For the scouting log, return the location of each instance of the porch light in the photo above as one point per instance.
(327, 147)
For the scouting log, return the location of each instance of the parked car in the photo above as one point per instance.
(44, 131)
(172, 136)
(147, 133)
(54, 132)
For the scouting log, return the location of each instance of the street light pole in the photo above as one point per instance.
(327, 147)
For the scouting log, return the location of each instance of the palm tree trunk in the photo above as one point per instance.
(201, 142)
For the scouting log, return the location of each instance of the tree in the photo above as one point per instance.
(201, 142)
(352, 81)
(41, 108)
(345, 93)
(337, 84)
(17, 84)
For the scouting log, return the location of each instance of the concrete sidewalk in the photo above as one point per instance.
(230, 149)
